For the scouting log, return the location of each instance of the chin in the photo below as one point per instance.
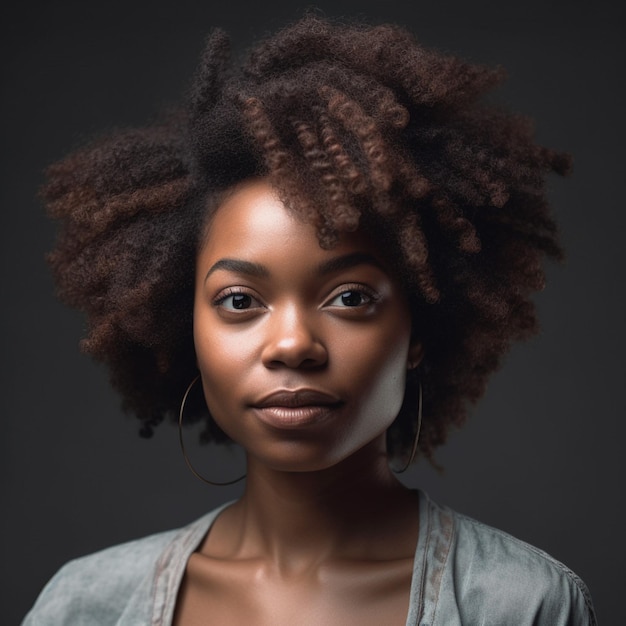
(301, 456)
(298, 460)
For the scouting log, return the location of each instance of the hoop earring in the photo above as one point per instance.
(182, 443)
(417, 433)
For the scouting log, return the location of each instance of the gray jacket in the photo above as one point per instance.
(465, 573)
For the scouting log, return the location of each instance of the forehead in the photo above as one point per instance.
(251, 219)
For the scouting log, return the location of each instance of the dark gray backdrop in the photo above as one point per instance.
(541, 456)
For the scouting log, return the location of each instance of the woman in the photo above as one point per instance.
(334, 244)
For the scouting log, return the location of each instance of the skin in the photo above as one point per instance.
(303, 354)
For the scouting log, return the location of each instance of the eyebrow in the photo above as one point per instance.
(239, 266)
(257, 270)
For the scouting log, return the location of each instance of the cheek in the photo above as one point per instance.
(220, 355)
(385, 380)
(377, 368)
(218, 381)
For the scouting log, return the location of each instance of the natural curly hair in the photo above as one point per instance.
(354, 125)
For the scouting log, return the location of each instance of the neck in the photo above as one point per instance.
(296, 519)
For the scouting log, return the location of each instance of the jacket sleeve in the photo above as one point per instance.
(498, 579)
(566, 602)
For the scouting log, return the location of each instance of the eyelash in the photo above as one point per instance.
(230, 292)
(370, 296)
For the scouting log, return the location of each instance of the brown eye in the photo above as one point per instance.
(351, 298)
(237, 301)
(241, 301)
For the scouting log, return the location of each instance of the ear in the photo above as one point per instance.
(416, 354)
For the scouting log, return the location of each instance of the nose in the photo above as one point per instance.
(292, 340)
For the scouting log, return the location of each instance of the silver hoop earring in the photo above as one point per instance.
(417, 432)
(182, 443)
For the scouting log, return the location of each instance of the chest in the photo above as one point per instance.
(363, 594)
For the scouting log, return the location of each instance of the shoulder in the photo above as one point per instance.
(122, 584)
(501, 579)
(94, 589)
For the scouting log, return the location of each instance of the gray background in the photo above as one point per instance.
(541, 456)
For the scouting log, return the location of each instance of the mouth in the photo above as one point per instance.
(296, 408)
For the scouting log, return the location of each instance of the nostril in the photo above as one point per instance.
(295, 353)
(293, 338)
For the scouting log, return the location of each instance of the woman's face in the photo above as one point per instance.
(303, 351)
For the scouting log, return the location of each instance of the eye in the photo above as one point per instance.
(352, 297)
(236, 301)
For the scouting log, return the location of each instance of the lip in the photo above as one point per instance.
(286, 408)
(295, 398)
